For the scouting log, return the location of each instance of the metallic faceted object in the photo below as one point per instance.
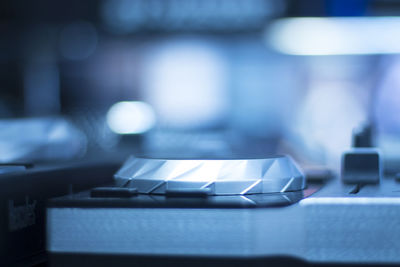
(211, 176)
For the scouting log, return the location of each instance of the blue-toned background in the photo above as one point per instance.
(198, 78)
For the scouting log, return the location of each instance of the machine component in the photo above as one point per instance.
(363, 136)
(213, 176)
(328, 228)
(24, 191)
(105, 192)
(397, 176)
(361, 166)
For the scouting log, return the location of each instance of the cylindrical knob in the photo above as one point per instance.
(216, 176)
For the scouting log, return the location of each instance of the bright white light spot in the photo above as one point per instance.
(130, 117)
(186, 81)
(336, 36)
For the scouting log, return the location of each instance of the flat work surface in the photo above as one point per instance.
(339, 224)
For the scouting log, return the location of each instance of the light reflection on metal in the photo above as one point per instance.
(351, 200)
(218, 176)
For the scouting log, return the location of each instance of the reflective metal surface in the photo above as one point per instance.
(213, 176)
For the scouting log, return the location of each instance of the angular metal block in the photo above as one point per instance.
(220, 176)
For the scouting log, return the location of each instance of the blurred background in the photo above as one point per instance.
(198, 78)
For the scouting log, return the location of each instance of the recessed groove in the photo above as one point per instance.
(356, 189)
